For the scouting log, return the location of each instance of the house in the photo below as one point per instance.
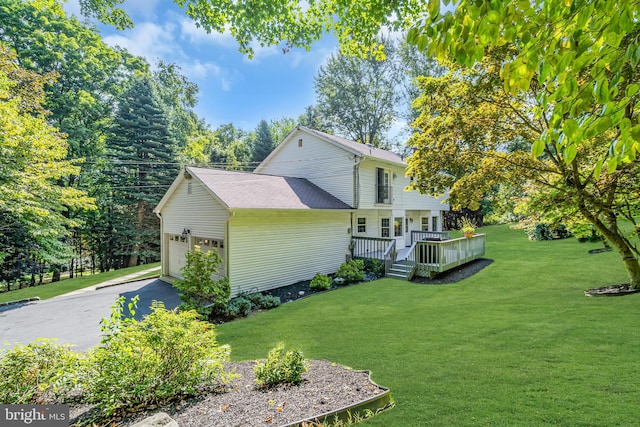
(297, 214)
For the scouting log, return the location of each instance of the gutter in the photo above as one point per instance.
(356, 181)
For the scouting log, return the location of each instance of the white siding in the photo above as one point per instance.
(198, 212)
(272, 249)
(401, 199)
(327, 166)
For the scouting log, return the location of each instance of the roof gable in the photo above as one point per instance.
(356, 148)
(242, 190)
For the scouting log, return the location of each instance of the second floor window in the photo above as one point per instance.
(383, 191)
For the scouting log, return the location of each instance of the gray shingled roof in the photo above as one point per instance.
(365, 150)
(242, 190)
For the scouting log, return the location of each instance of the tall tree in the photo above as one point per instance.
(281, 128)
(178, 96)
(262, 143)
(90, 73)
(313, 118)
(474, 136)
(357, 95)
(142, 166)
(33, 205)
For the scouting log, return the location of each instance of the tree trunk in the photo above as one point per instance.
(617, 240)
(135, 249)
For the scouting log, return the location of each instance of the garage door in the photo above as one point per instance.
(178, 247)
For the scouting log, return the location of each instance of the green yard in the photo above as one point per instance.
(54, 289)
(518, 344)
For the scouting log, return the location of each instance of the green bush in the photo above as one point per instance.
(37, 372)
(263, 301)
(281, 367)
(320, 282)
(374, 266)
(546, 232)
(239, 307)
(164, 357)
(352, 271)
(198, 290)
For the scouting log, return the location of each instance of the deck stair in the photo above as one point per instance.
(400, 270)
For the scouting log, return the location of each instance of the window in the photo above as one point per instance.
(300, 142)
(189, 188)
(424, 223)
(397, 227)
(406, 225)
(383, 191)
(362, 225)
(385, 227)
(434, 223)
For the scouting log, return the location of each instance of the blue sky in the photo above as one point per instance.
(232, 88)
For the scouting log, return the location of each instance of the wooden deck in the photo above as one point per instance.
(424, 258)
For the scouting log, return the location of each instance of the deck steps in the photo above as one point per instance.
(400, 270)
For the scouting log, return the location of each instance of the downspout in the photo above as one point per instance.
(356, 182)
(163, 247)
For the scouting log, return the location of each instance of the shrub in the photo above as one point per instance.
(263, 301)
(281, 367)
(238, 307)
(37, 372)
(320, 282)
(546, 232)
(352, 271)
(198, 290)
(375, 266)
(165, 356)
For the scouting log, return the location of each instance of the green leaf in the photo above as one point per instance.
(570, 153)
(597, 171)
(612, 165)
(433, 8)
(538, 148)
(632, 89)
(570, 129)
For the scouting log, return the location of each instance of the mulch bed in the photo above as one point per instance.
(611, 291)
(326, 387)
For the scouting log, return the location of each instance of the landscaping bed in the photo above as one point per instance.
(326, 387)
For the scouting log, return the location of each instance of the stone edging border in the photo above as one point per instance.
(376, 404)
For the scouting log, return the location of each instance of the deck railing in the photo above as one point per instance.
(433, 257)
(417, 235)
(374, 248)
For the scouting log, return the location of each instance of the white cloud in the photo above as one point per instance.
(149, 40)
(141, 8)
(199, 71)
(194, 34)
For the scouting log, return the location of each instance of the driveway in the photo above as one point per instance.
(75, 318)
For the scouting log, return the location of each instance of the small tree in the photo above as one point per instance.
(198, 289)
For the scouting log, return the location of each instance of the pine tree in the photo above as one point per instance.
(141, 169)
(263, 144)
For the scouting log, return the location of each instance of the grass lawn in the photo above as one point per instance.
(51, 290)
(518, 344)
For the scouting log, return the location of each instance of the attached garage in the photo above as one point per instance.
(270, 231)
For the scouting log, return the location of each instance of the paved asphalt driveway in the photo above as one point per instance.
(75, 318)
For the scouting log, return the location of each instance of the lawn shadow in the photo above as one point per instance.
(456, 274)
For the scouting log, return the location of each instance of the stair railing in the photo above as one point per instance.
(389, 256)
